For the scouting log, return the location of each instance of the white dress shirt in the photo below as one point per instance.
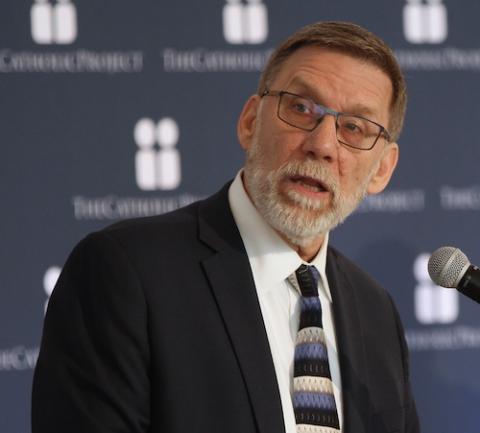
(272, 260)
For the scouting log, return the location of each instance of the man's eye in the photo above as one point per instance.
(301, 106)
(353, 127)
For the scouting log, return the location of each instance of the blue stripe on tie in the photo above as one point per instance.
(310, 351)
(313, 400)
(310, 303)
(315, 274)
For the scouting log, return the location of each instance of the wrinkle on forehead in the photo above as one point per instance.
(337, 80)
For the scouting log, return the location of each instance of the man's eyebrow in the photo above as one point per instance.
(303, 86)
(309, 91)
(361, 110)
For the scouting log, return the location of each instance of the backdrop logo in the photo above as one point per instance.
(245, 23)
(53, 23)
(433, 304)
(157, 161)
(425, 23)
(49, 280)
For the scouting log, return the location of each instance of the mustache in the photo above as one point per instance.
(312, 169)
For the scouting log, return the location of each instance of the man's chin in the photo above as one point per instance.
(315, 203)
(304, 207)
(300, 226)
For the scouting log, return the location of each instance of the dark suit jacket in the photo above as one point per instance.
(154, 326)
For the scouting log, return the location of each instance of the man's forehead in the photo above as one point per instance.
(304, 69)
(303, 87)
(323, 59)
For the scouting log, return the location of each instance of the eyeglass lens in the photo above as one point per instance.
(303, 113)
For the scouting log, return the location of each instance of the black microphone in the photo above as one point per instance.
(449, 267)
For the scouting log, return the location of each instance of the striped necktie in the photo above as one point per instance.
(313, 400)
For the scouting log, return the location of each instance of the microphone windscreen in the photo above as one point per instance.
(447, 265)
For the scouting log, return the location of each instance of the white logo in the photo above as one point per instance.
(245, 23)
(49, 280)
(53, 23)
(433, 304)
(157, 162)
(425, 23)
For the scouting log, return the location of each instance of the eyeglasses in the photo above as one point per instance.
(303, 113)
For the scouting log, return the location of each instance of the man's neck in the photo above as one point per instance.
(307, 252)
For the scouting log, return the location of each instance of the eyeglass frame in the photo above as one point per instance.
(383, 131)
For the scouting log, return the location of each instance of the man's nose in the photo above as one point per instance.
(322, 142)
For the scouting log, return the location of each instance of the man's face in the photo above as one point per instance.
(305, 183)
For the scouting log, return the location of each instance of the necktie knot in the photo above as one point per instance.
(307, 277)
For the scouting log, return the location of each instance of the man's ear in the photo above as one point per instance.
(247, 121)
(384, 170)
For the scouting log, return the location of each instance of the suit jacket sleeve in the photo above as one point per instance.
(93, 368)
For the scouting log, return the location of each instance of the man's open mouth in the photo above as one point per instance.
(309, 183)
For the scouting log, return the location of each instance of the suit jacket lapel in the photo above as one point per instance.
(228, 271)
(351, 350)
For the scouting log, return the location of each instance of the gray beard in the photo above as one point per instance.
(300, 219)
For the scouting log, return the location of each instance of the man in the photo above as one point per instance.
(187, 322)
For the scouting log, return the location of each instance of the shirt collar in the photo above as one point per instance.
(271, 258)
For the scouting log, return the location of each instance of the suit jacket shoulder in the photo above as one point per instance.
(154, 326)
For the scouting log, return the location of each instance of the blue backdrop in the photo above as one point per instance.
(117, 109)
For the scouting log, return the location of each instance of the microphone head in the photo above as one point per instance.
(447, 265)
